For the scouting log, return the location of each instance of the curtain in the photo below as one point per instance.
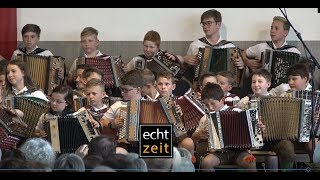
(8, 31)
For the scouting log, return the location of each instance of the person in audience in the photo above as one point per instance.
(69, 162)
(38, 150)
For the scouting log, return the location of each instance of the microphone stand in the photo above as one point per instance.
(316, 64)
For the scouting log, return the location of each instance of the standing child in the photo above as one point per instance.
(89, 43)
(151, 46)
(31, 36)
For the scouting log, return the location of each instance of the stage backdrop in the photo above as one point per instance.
(8, 31)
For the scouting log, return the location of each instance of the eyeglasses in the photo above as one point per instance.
(124, 90)
(56, 101)
(208, 23)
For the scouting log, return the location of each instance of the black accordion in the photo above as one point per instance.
(216, 60)
(44, 70)
(159, 63)
(67, 133)
(277, 63)
(32, 108)
(149, 112)
(12, 132)
(233, 129)
(110, 66)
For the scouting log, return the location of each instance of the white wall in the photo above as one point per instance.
(173, 24)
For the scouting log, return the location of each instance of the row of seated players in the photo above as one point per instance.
(130, 90)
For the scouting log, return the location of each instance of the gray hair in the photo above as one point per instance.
(69, 162)
(38, 150)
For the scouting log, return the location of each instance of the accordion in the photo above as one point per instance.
(68, 133)
(160, 63)
(285, 118)
(192, 108)
(150, 112)
(32, 108)
(233, 129)
(277, 63)
(306, 95)
(44, 70)
(216, 60)
(12, 132)
(110, 66)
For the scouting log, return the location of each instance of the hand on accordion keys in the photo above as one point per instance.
(261, 126)
(191, 60)
(61, 73)
(239, 63)
(178, 109)
(16, 113)
(94, 123)
(40, 133)
(117, 123)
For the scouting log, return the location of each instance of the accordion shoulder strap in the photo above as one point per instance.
(36, 51)
(281, 48)
(221, 43)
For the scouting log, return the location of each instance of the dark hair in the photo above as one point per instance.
(148, 76)
(69, 162)
(307, 62)
(68, 97)
(298, 70)
(27, 76)
(12, 154)
(229, 75)
(262, 72)
(212, 91)
(83, 66)
(133, 78)
(31, 28)
(102, 146)
(89, 70)
(153, 36)
(212, 13)
(3, 67)
(205, 75)
(166, 74)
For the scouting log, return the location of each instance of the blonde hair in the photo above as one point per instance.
(286, 25)
(96, 82)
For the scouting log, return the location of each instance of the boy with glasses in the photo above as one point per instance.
(211, 22)
(130, 88)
